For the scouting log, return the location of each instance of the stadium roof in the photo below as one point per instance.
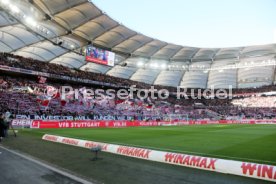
(78, 23)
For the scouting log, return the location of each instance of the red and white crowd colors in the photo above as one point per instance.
(253, 170)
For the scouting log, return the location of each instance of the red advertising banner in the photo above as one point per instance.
(118, 124)
(95, 60)
(90, 124)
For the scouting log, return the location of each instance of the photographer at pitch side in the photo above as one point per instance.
(2, 127)
(7, 120)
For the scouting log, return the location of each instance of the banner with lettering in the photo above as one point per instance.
(123, 123)
(252, 170)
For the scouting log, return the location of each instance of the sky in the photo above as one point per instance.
(198, 23)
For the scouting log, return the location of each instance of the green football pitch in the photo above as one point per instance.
(252, 143)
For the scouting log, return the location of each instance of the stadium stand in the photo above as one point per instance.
(19, 97)
(51, 47)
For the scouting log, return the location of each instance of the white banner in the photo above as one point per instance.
(252, 170)
(22, 123)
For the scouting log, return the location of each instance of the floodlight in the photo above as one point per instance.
(14, 8)
(140, 64)
(164, 66)
(154, 65)
(31, 21)
(5, 2)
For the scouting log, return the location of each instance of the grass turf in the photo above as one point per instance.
(114, 169)
(254, 143)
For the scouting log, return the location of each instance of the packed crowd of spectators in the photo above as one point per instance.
(19, 96)
(256, 101)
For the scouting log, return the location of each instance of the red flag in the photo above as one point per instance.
(63, 103)
(45, 103)
(57, 95)
(119, 101)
